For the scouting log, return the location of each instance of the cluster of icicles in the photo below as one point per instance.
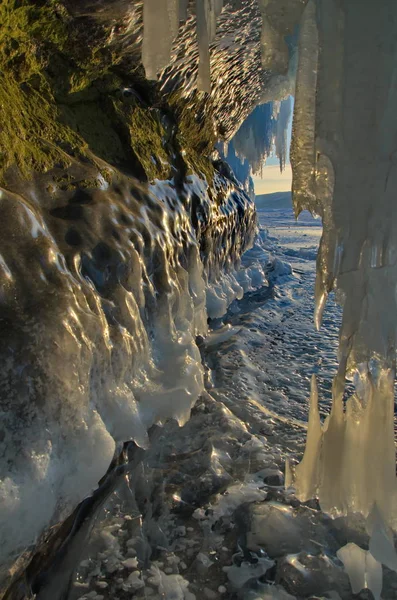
(161, 23)
(344, 169)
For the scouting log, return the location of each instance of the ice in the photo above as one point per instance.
(303, 126)
(344, 136)
(381, 543)
(160, 26)
(118, 353)
(254, 138)
(363, 569)
(203, 24)
(170, 587)
(307, 474)
(264, 133)
(238, 576)
(281, 143)
(269, 592)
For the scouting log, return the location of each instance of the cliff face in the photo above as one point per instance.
(120, 236)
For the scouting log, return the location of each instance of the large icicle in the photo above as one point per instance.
(160, 27)
(345, 168)
(280, 142)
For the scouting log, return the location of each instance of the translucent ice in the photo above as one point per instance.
(363, 569)
(344, 168)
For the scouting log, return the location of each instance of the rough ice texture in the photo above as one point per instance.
(344, 168)
(105, 282)
(102, 294)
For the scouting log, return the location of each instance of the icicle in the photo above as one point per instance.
(344, 168)
(160, 26)
(281, 131)
(183, 4)
(203, 39)
(307, 471)
(303, 129)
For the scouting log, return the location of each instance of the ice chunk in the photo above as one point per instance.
(363, 569)
(238, 576)
(381, 543)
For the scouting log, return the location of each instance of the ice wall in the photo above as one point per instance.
(344, 168)
(103, 291)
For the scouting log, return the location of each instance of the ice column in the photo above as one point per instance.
(344, 158)
(160, 27)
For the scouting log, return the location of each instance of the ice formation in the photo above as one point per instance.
(137, 273)
(344, 106)
(344, 169)
(126, 311)
(262, 134)
(363, 570)
(160, 27)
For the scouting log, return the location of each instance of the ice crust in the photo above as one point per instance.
(114, 351)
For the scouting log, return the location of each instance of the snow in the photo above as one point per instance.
(238, 576)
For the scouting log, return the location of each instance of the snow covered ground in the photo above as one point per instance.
(206, 514)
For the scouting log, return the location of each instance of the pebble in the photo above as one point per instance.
(102, 585)
(148, 591)
(85, 563)
(134, 582)
(130, 563)
(222, 589)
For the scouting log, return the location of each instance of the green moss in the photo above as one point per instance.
(59, 99)
(44, 60)
(31, 137)
(28, 33)
(95, 126)
(196, 134)
(146, 137)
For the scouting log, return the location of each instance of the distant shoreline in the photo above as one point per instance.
(274, 200)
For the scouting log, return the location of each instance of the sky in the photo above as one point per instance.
(272, 180)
